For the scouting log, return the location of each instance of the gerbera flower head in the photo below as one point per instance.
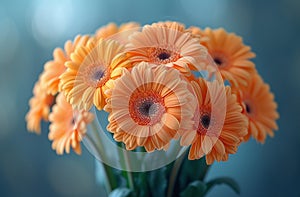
(111, 29)
(54, 68)
(260, 109)
(219, 124)
(230, 55)
(39, 108)
(89, 71)
(67, 126)
(164, 45)
(170, 25)
(197, 33)
(148, 106)
(106, 31)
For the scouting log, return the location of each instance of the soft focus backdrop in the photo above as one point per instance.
(30, 30)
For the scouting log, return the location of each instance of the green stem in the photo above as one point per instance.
(128, 171)
(111, 182)
(174, 173)
(126, 164)
(107, 182)
(110, 174)
(205, 168)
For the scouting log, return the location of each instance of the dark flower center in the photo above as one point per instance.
(205, 121)
(164, 56)
(98, 75)
(248, 109)
(218, 61)
(74, 119)
(148, 108)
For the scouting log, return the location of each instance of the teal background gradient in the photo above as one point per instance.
(30, 30)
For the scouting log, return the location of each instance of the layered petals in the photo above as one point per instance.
(67, 126)
(167, 44)
(149, 106)
(219, 123)
(91, 67)
(39, 108)
(54, 68)
(260, 108)
(229, 53)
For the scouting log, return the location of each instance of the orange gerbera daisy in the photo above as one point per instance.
(89, 70)
(148, 106)
(111, 29)
(230, 55)
(220, 125)
(160, 44)
(67, 126)
(197, 33)
(53, 69)
(170, 24)
(39, 108)
(260, 108)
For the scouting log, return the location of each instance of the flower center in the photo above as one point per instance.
(74, 119)
(248, 110)
(96, 76)
(146, 107)
(162, 56)
(220, 59)
(204, 122)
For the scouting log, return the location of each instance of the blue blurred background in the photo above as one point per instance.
(30, 30)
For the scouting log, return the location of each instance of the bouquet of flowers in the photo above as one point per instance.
(156, 104)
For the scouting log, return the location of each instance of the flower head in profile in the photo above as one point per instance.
(112, 29)
(39, 109)
(170, 25)
(148, 106)
(219, 123)
(230, 55)
(197, 33)
(165, 44)
(260, 109)
(89, 71)
(54, 68)
(67, 126)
